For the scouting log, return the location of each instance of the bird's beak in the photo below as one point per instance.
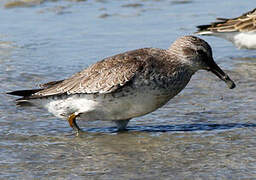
(214, 68)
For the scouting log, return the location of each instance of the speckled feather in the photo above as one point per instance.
(243, 23)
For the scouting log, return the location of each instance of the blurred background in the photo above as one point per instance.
(206, 132)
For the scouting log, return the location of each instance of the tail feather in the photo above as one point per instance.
(30, 92)
(27, 95)
(203, 30)
(203, 27)
(24, 93)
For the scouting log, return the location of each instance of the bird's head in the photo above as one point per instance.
(196, 54)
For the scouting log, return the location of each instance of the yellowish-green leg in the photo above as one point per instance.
(72, 122)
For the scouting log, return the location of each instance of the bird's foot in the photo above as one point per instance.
(73, 124)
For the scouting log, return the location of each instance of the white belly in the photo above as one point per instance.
(245, 40)
(105, 107)
(130, 101)
(240, 39)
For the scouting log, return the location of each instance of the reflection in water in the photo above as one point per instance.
(181, 1)
(6, 48)
(57, 10)
(133, 5)
(251, 58)
(180, 127)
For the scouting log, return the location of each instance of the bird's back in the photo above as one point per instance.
(112, 73)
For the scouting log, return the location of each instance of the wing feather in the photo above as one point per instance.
(102, 77)
(243, 23)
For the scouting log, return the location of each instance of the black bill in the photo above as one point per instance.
(214, 68)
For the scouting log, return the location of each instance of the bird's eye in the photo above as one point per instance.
(200, 52)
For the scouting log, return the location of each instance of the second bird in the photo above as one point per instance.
(241, 31)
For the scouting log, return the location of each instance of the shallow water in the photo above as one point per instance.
(206, 132)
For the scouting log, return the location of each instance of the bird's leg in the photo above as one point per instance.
(72, 122)
(121, 124)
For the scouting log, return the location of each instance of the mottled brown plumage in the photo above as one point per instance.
(243, 23)
(241, 31)
(112, 73)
